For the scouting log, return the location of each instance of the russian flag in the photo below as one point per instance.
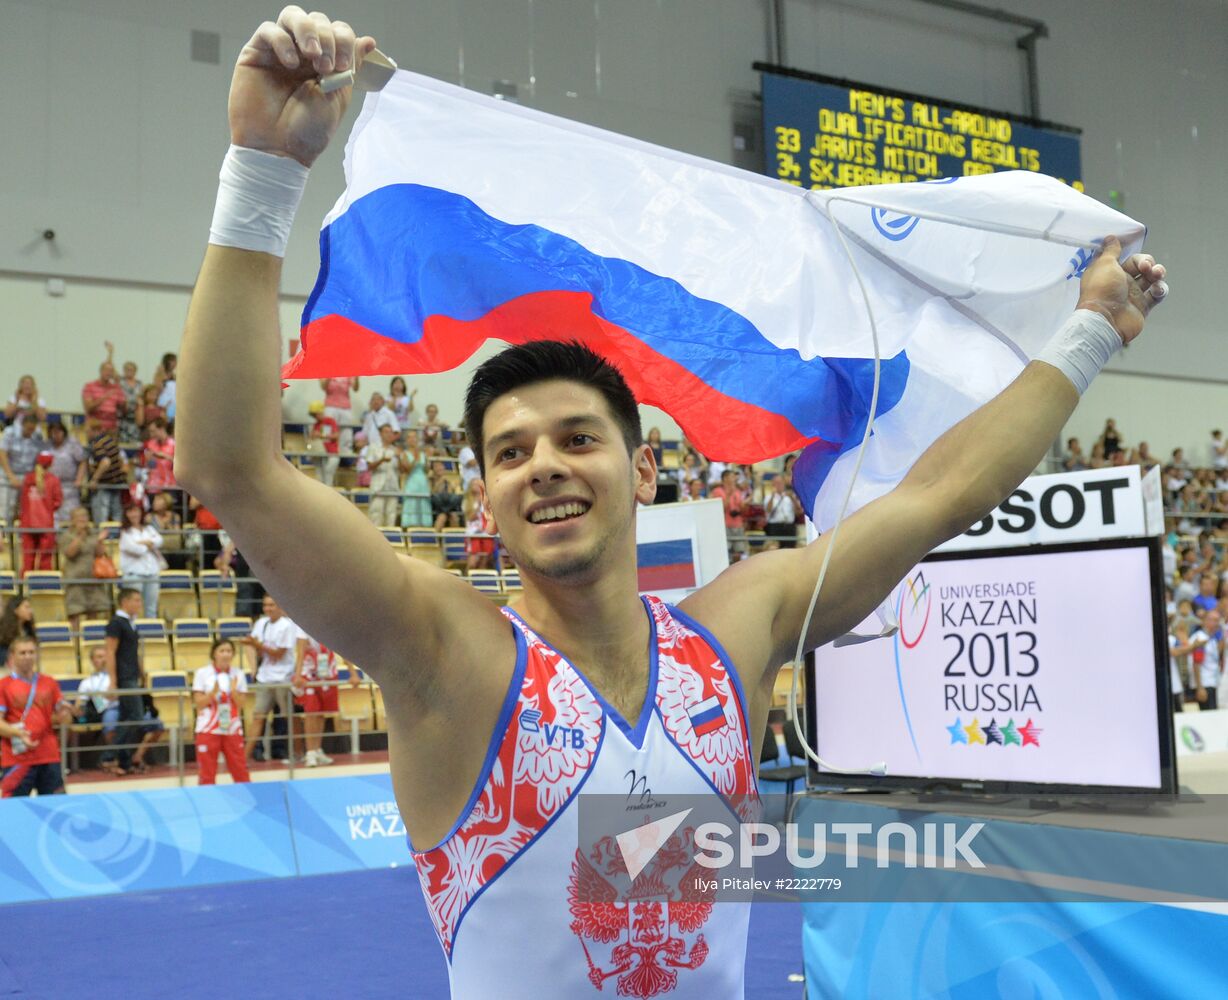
(707, 717)
(668, 565)
(730, 300)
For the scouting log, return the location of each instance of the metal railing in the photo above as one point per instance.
(184, 723)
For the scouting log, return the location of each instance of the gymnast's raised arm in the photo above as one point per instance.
(324, 562)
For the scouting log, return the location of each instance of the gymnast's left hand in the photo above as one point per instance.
(1123, 294)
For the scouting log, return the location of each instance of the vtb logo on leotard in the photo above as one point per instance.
(559, 737)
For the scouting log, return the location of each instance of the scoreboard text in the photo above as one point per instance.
(823, 135)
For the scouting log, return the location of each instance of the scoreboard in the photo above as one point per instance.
(824, 133)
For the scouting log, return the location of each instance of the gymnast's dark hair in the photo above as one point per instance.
(542, 361)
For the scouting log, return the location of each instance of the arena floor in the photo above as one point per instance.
(356, 935)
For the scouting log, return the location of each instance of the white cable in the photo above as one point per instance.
(880, 768)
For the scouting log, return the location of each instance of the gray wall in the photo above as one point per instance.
(119, 134)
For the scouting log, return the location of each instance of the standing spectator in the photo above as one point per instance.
(781, 513)
(16, 621)
(140, 558)
(1179, 463)
(328, 434)
(104, 398)
(41, 497)
(315, 668)
(160, 461)
(219, 691)
(416, 488)
(164, 379)
(431, 429)
(274, 637)
(479, 550)
(401, 400)
(1219, 451)
(108, 473)
(446, 505)
(1074, 460)
(383, 458)
(165, 520)
(1206, 598)
(734, 501)
(68, 464)
(124, 666)
(80, 545)
(1110, 438)
(469, 469)
(694, 490)
(32, 706)
(339, 405)
(20, 444)
(97, 705)
(1207, 648)
(25, 399)
(654, 442)
(147, 410)
(129, 426)
(209, 528)
(377, 416)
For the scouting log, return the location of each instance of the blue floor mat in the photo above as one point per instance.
(359, 934)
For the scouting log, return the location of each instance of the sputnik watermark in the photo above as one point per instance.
(942, 845)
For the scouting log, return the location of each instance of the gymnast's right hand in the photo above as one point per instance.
(276, 104)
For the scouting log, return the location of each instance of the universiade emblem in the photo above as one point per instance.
(649, 920)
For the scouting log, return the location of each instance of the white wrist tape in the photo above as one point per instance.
(257, 196)
(1081, 347)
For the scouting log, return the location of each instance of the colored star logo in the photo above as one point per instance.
(1009, 735)
(1029, 734)
(957, 732)
(992, 735)
(974, 733)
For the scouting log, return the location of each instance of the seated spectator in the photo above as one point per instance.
(691, 469)
(446, 505)
(1097, 461)
(401, 402)
(151, 730)
(379, 415)
(324, 442)
(219, 691)
(140, 559)
(431, 429)
(20, 445)
(68, 464)
(1074, 460)
(108, 472)
(16, 621)
(94, 707)
(1179, 462)
(41, 497)
(1187, 587)
(104, 398)
(80, 545)
(147, 411)
(1141, 456)
(25, 399)
(129, 426)
(479, 550)
(382, 460)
